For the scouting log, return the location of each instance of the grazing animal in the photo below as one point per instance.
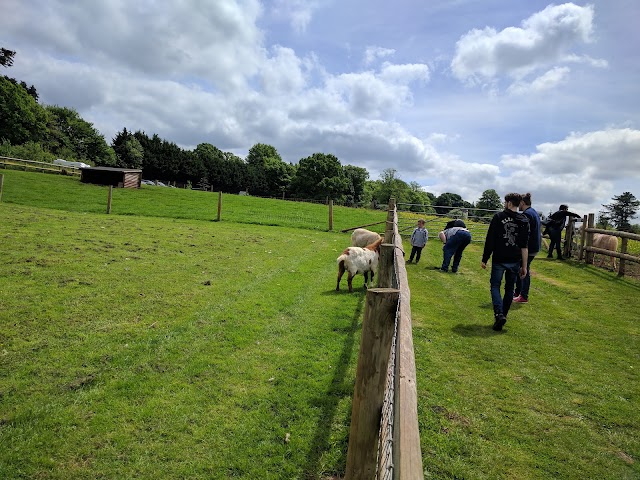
(359, 260)
(606, 242)
(361, 237)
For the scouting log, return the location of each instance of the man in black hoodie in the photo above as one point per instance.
(507, 240)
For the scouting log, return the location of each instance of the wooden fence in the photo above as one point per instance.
(18, 163)
(587, 249)
(384, 439)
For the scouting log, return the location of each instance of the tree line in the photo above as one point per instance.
(45, 132)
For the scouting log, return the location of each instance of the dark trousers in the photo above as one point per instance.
(555, 234)
(522, 285)
(502, 304)
(415, 252)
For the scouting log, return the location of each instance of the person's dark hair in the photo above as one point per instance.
(455, 223)
(526, 198)
(564, 207)
(514, 198)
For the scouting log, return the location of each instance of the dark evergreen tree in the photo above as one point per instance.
(623, 209)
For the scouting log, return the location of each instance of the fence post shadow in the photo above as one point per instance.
(330, 399)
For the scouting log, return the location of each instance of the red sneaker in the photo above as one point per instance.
(520, 299)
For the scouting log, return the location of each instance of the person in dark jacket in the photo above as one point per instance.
(535, 240)
(507, 241)
(555, 225)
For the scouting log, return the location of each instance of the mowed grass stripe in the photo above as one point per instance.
(155, 373)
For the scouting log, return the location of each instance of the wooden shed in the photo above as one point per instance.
(118, 177)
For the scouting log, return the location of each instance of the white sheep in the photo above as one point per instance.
(361, 237)
(359, 260)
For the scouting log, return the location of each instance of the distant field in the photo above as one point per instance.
(69, 194)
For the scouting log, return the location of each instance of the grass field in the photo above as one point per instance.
(69, 194)
(151, 347)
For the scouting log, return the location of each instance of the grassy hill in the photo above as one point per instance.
(145, 346)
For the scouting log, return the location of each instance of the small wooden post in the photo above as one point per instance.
(330, 215)
(385, 266)
(1, 185)
(621, 265)
(388, 233)
(368, 396)
(219, 206)
(590, 224)
(109, 197)
(582, 237)
(568, 238)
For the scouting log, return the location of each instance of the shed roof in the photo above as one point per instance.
(111, 169)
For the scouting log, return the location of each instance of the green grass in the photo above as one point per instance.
(69, 194)
(149, 347)
(553, 396)
(156, 348)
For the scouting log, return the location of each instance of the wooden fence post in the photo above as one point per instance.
(621, 265)
(371, 376)
(568, 238)
(1, 185)
(582, 237)
(590, 224)
(388, 232)
(386, 271)
(330, 215)
(109, 197)
(219, 206)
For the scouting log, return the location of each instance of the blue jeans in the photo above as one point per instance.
(522, 285)
(510, 272)
(454, 248)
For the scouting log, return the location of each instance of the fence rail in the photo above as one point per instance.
(8, 162)
(384, 438)
(587, 249)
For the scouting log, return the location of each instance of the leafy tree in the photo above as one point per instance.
(6, 57)
(129, 152)
(21, 118)
(356, 178)
(604, 220)
(261, 155)
(419, 199)
(69, 136)
(449, 200)
(623, 209)
(319, 176)
(490, 200)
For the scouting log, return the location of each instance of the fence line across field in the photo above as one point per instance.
(384, 438)
(8, 162)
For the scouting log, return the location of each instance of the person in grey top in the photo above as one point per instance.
(455, 240)
(419, 239)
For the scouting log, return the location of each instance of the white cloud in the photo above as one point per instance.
(372, 54)
(545, 39)
(298, 12)
(547, 81)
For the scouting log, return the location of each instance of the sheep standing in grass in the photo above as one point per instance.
(606, 242)
(359, 260)
(361, 237)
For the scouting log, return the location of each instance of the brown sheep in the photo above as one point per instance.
(606, 242)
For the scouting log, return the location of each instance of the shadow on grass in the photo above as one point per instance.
(608, 275)
(328, 402)
(475, 330)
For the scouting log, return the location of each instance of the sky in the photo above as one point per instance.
(457, 95)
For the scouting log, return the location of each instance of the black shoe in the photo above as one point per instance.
(560, 258)
(500, 321)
